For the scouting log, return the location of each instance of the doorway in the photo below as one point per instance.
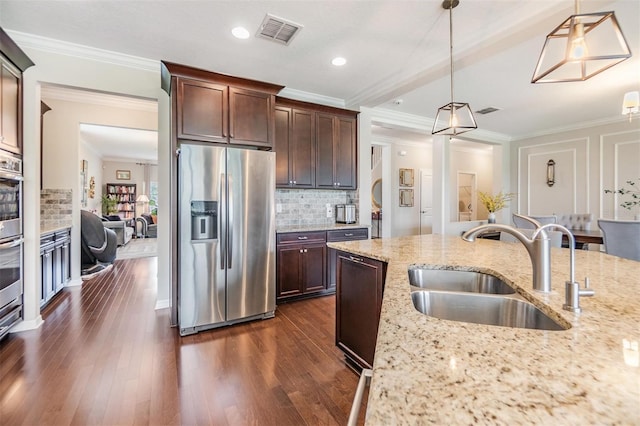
(467, 197)
(426, 201)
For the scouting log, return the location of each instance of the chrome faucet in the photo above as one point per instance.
(539, 249)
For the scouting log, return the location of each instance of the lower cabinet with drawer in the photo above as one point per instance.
(305, 266)
(301, 264)
(55, 263)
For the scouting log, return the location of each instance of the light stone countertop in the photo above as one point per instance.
(432, 371)
(311, 228)
(44, 231)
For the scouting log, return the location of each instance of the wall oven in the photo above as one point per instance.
(10, 283)
(10, 196)
(11, 250)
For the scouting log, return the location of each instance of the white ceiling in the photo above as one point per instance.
(396, 49)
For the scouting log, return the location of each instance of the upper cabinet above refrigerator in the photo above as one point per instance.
(212, 107)
(13, 62)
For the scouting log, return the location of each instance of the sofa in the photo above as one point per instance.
(123, 231)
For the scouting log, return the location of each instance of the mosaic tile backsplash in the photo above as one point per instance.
(309, 206)
(55, 208)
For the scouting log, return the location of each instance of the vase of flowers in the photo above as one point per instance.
(633, 196)
(494, 203)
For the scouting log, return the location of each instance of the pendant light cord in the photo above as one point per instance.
(451, 47)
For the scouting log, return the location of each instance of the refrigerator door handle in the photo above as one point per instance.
(229, 246)
(223, 235)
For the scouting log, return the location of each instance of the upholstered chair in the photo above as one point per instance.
(621, 237)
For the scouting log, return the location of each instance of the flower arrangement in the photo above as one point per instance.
(635, 194)
(493, 203)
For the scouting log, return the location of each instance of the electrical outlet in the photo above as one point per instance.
(329, 210)
(278, 208)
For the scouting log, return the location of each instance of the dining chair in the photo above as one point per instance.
(521, 223)
(621, 237)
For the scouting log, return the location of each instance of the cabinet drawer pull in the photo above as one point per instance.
(303, 238)
(356, 259)
(348, 235)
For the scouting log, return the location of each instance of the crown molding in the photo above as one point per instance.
(578, 126)
(45, 44)
(301, 95)
(69, 94)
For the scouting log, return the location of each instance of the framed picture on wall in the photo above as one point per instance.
(406, 198)
(123, 174)
(406, 177)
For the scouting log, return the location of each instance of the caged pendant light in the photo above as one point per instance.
(453, 118)
(582, 46)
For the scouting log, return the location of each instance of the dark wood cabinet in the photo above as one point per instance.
(358, 303)
(13, 62)
(55, 263)
(332, 254)
(336, 143)
(295, 147)
(301, 264)
(218, 108)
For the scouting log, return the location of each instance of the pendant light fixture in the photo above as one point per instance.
(582, 46)
(455, 117)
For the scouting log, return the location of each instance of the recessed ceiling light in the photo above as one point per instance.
(338, 62)
(240, 32)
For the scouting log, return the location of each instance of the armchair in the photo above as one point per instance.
(148, 228)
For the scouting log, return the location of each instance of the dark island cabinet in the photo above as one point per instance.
(358, 302)
(301, 264)
(336, 138)
(218, 108)
(295, 147)
(55, 263)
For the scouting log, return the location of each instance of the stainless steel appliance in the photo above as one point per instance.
(10, 241)
(346, 213)
(10, 283)
(226, 234)
(10, 196)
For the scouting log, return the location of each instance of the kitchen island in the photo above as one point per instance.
(428, 370)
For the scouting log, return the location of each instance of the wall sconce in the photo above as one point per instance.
(631, 104)
(551, 172)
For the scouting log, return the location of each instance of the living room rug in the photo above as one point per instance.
(140, 247)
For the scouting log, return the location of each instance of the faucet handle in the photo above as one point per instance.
(587, 291)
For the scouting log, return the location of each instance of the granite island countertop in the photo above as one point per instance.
(432, 371)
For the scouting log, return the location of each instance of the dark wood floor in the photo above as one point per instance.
(105, 356)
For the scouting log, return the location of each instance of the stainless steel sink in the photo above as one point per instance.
(450, 280)
(506, 311)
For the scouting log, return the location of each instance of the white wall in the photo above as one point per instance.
(406, 220)
(475, 161)
(587, 162)
(104, 72)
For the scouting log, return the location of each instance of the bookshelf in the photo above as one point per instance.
(125, 195)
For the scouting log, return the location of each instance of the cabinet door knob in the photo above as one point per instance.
(294, 182)
(305, 250)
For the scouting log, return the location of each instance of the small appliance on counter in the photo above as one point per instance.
(345, 213)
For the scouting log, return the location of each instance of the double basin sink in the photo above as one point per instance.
(474, 297)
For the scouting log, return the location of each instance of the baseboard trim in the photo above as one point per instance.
(27, 325)
(163, 304)
(74, 283)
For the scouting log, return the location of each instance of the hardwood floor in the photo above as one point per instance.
(104, 356)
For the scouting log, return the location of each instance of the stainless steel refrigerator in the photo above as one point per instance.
(226, 234)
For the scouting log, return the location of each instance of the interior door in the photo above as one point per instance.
(426, 201)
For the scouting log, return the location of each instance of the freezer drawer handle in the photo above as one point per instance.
(365, 378)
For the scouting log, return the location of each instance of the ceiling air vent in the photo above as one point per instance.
(278, 29)
(487, 110)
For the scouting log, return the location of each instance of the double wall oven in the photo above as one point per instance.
(11, 241)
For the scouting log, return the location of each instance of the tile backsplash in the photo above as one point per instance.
(309, 206)
(55, 208)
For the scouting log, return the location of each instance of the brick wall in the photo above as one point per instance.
(309, 206)
(55, 208)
